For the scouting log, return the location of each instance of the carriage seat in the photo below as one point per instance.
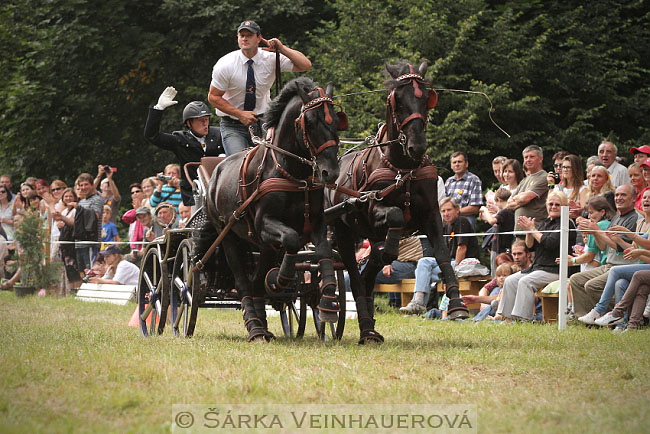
(207, 166)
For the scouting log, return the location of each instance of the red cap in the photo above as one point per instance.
(645, 149)
(646, 163)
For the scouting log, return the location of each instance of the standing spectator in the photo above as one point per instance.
(497, 168)
(148, 186)
(24, 197)
(607, 152)
(464, 187)
(599, 185)
(512, 174)
(241, 83)
(169, 192)
(591, 162)
(109, 229)
(556, 173)
(640, 153)
(108, 189)
(129, 217)
(64, 220)
(571, 183)
(5, 181)
(54, 203)
(6, 213)
(587, 286)
(503, 221)
(91, 201)
(529, 199)
(198, 140)
(145, 223)
(638, 182)
(518, 294)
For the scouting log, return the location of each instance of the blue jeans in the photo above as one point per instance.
(85, 257)
(618, 280)
(235, 136)
(426, 273)
(401, 271)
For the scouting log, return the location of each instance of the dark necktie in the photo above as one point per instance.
(249, 98)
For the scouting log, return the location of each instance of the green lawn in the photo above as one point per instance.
(68, 366)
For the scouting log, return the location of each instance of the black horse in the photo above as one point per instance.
(405, 184)
(271, 198)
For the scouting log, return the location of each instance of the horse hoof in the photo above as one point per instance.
(371, 337)
(459, 314)
(326, 316)
(269, 336)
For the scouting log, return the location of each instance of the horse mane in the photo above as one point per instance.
(280, 102)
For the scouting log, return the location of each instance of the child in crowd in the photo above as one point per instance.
(503, 221)
(491, 300)
(109, 229)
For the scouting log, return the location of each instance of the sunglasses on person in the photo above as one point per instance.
(56, 188)
(136, 191)
(3, 191)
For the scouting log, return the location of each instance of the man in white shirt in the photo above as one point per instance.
(617, 172)
(241, 83)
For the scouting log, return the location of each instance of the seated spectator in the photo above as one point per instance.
(108, 189)
(169, 192)
(634, 303)
(491, 301)
(618, 277)
(185, 212)
(118, 271)
(592, 255)
(460, 247)
(512, 174)
(587, 286)
(6, 213)
(640, 153)
(518, 294)
(164, 218)
(638, 182)
(109, 229)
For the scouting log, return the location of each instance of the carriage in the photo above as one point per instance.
(273, 197)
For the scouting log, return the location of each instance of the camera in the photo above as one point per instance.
(556, 177)
(164, 178)
(109, 169)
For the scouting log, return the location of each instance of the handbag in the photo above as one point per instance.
(410, 250)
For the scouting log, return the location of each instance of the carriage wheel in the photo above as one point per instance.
(152, 284)
(185, 296)
(332, 331)
(294, 319)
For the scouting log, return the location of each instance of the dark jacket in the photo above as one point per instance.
(548, 247)
(85, 225)
(185, 146)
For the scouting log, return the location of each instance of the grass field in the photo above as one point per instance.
(69, 366)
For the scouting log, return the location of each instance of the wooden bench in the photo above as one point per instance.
(116, 294)
(549, 306)
(467, 286)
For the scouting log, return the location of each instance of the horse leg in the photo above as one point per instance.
(266, 261)
(275, 232)
(328, 306)
(366, 304)
(391, 220)
(236, 257)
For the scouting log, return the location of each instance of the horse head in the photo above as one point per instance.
(317, 129)
(408, 102)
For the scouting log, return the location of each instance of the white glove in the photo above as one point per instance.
(166, 98)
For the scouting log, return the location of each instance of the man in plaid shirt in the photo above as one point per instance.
(465, 187)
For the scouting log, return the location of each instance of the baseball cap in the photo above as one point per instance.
(645, 149)
(646, 163)
(249, 25)
(143, 210)
(110, 250)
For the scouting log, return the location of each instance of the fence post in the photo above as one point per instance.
(564, 262)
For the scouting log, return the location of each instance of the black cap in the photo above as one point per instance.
(250, 25)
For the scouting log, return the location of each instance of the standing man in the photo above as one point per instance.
(607, 152)
(241, 84)
(464, 187)
(529, 199)
(197, 141)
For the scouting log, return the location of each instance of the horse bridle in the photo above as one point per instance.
(300, 123)
(417, 80)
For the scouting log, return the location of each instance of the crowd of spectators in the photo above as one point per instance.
(83, 222)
